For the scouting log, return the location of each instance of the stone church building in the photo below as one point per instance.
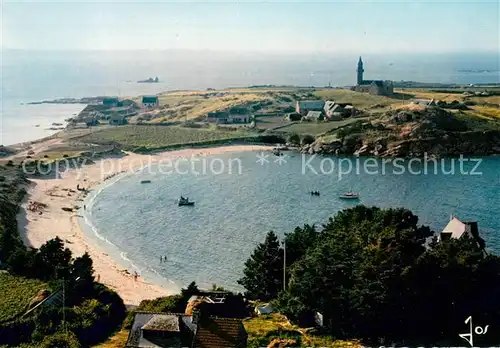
(377, 87)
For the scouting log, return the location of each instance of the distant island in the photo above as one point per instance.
(150, 80)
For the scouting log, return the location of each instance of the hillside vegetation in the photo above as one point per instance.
(373, 275)
(91, 311)
(17, 292)
(413, 131)
(276, 328)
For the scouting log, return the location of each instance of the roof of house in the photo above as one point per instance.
(110, 100)
(311, 104)
(313, 114)
(378, 83)
(220, 332)
(329, 105)
(217, 114)
(162, 323)
(455, 227)
(211, 332)
(238, 110)
(166, 322)
(149, 99)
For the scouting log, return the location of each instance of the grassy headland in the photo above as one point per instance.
(180, 118)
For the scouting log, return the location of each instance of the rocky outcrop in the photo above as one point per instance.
(411, 133)
(282, 343)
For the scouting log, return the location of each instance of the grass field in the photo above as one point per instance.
(360, 100)
(152, 137)
(317, 128)
(448, 97)
(117, 341)
(263, 329)
(191, 105)
(270, 122)
(489, 112)
(16, 294)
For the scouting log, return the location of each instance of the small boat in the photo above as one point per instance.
(146, 182)
(350, 195)
(277, 153)
(185, 201)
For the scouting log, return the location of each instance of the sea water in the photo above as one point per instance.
(234, 209)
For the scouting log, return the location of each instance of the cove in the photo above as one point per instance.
(236, 206)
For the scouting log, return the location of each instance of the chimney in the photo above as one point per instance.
(473, 230)
(196, 316)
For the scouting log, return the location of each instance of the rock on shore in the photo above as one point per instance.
(412, 133)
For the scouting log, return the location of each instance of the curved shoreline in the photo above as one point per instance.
(61, 192)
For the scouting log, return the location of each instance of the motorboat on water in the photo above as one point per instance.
(185, 201)
(350, 195)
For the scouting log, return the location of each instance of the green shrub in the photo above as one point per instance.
(60, 340)
(294, 138)
(307, 139)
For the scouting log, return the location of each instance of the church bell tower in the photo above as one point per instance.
(360, 72)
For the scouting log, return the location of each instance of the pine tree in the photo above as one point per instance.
(264, 270)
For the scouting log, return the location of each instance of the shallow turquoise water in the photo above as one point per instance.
(209, 242)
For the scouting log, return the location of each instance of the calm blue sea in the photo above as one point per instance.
(28, 76)
(234, 210)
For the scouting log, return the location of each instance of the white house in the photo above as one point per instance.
(456, 229)
(304, 106)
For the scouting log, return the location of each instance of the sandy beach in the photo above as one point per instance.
(36, 227)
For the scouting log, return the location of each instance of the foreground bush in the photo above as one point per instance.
(372, 276)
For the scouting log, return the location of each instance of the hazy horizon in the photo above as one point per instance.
(336, 27)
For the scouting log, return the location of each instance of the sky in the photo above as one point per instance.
(274, 26)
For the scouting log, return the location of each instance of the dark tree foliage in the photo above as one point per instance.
(92, 317)
(191, 290)
(372, 277)
(60, 340)
(264, 270)
(298, 241)
(53, 260)
(82, 274)
(294, 138)
(173, 303)
(91, 310)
